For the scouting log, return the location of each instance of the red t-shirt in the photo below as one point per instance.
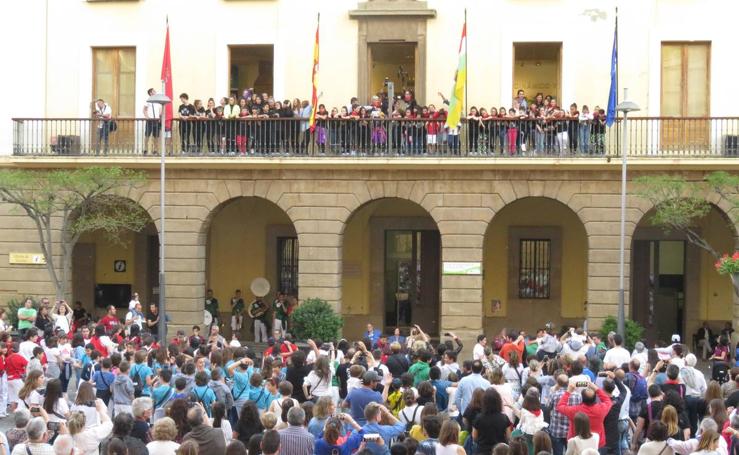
(109, 322)
(505, 351)
(15, 366)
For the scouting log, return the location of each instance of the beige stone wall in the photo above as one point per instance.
(320, 202)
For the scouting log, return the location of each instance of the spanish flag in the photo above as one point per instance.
(456, 101)
(314, 97)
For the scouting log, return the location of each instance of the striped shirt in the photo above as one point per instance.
(296, 440)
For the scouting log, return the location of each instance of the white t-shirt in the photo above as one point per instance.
(90, 412)
(61, 407)
(61, 321)
(319, 387)
(136, 318)
(33, 399)
(26, 349)
(617, 356)
(163, 447)
(478, 352)
(407, 414)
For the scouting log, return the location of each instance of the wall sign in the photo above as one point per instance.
(119, 265)
(26, 258)
(462, 268)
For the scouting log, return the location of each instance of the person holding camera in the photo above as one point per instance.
(103, 113)
(376, 433)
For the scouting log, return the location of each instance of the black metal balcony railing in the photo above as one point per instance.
(647, 137)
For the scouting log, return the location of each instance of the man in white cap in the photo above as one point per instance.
(673, 353)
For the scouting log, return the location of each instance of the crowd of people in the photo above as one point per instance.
(261, 124)
(76, 385)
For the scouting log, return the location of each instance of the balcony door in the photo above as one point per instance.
(114, 80)
(686, 69)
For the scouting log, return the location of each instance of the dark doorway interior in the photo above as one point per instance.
(412, 275)
(658, 301)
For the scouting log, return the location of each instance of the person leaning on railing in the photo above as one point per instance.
(103, 113)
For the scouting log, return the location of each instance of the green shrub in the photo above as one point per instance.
(12, 307)
(634, 330)
(315, 319)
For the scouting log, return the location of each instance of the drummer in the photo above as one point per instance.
(258, 309)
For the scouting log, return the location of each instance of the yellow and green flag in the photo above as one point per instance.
(456, 101)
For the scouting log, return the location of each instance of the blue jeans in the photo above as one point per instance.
(559, 445)
(584, 139)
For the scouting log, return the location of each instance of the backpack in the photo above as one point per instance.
(86, 372)
(638, 386)
(138, 383)
(411, 421)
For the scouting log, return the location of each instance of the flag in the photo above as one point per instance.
(167, 80)
(456, 101)
(612, 94)
(314, 80)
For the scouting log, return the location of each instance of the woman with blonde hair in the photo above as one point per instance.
(672, 421)
(87, 439)
(708, 443)
(449, 439)
(163, 434)
(498, 382)
(28, 394)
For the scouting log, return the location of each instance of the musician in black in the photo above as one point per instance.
(258, 312)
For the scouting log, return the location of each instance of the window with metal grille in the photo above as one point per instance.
(534, 268)
(287, 265)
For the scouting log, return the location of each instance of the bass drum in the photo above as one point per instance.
(207, 318)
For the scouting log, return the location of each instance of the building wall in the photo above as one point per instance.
(58, 53)
(330, 211)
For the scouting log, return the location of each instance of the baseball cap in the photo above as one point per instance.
(370, 376)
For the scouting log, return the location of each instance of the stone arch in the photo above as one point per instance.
(247, 237)
(547, 237)
(669, 275)
(383, 242)
(106, 272)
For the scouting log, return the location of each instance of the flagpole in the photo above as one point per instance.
(466, 56)
(618, 124)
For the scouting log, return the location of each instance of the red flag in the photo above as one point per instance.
(167, 80)
(314, 80)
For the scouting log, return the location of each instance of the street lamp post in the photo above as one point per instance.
(162, 100)
(625, 107)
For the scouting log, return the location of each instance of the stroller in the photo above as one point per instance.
(720, 372)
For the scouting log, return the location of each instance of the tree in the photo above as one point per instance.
(83, 200)
(315, 319)
(680, 204)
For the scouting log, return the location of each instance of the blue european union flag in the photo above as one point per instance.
(612, 95)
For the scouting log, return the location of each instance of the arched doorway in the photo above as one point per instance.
(248, 238)
(535, 266)
(107, 272)
(674, 286)
(391, 268)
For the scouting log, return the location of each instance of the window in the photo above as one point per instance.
(534, 269)
(114, 78)
(287, 265)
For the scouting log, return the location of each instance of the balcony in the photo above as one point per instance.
(391, 139)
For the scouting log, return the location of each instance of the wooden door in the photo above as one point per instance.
(685, 94)
(114, 80)
(427, 305)
(83, 275)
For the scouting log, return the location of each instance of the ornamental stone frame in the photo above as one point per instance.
(399, 21)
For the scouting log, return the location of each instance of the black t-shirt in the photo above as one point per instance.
(733, 400)
(186, 110)
(491, 430)
(295, 376)
(397, 364)
(342, 372)
(656, 412)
